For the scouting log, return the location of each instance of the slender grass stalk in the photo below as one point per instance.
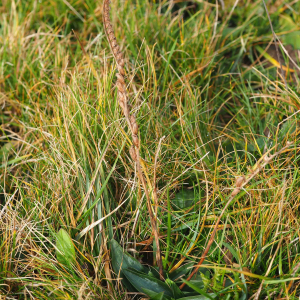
(131, 121)
(169, 229)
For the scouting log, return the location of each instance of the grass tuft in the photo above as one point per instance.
(204, 78)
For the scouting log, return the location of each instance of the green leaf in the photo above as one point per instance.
(5, 149)
(198, 290)
(154, 272)
(177, 293)
(276, 281)
(243, 296)
(200, 297)
(122, 260)
(286, 23)
(184, 199)
(14, 161)
(231, 250)
(183, 270)
(141, 281)
(259, 145)
(153, 295)
(293, 39)
(65, 251)
(231, 32)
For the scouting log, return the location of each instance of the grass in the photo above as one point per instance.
(196, 77)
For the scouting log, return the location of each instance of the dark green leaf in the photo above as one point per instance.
(184, 199)
(200, 297)
(199, 290)
(177, 293)
(153, 295)
(141, 281)
(122, 260)
(154, 272)
(183, 270)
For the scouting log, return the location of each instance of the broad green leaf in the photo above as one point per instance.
(200, 297)
(293, 39)
(183, 270)
(177, 293)
(199, 290)
(65, 251)
(184, 199)
(154, 272)
(231, 250)
(233, 32)
(5, 149)
(141, 281)
(258, 145)
(153, 295)
(201, 281)
(230, 32)
(286, 23)
(122, 260)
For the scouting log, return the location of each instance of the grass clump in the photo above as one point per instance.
(211, 108)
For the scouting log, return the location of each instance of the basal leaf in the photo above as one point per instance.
(141, 281)
(183, 270)
(122, 260)
(153, 295)
(293, 39)
(200, 297)
(65, 251)
(177, 293)
(199, 290)
(184, 199)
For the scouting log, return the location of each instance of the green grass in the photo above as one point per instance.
(196, 78)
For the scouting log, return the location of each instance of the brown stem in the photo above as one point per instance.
(123, 102)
